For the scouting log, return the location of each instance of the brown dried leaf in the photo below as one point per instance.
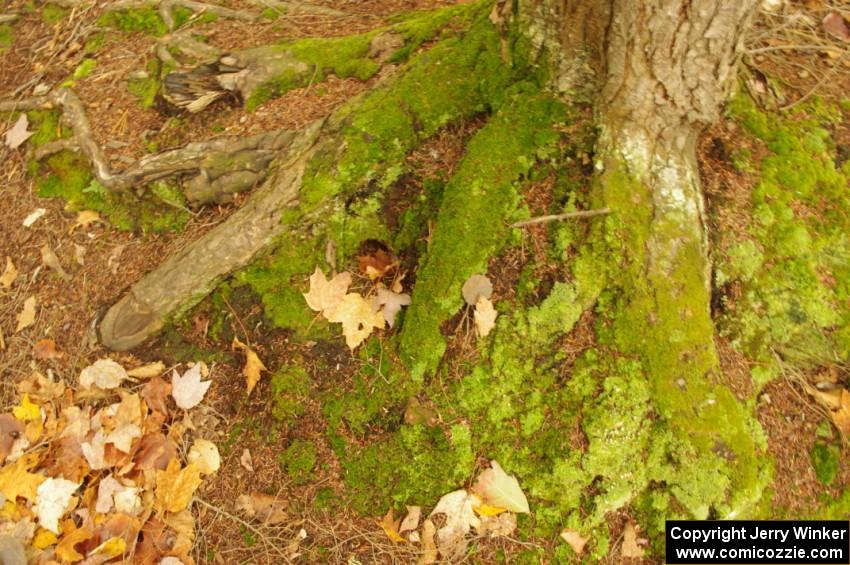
(631, 543)
(253, 366)
(155, 393)
(46, 349)
(841, 417)
(10, 430)
(357, 317)
(66, 551)
(155, 452)
(378, 264)
(475, 287)
(51, 261)
(10, 273)
(26, 317)
(175, 486)
(575, 540)
(324, 294)
(429, 547)
(836, 26)
(17, 134)
(147, 371)
(264, 507)
(390, 527)
(485, 316)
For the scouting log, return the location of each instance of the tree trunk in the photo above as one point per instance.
(668, 66)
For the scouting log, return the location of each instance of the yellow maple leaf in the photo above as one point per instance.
(111, 548)
(27, 410)
(44, 539)
(65, 549)
(324, 294)
(841, 416)
(357, 317)
(175, 486)
(253, 365)
(16, 480)
(390, 527)
(488, 510)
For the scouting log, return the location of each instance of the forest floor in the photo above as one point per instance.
(47, 44)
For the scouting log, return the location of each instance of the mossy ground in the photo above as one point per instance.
(67, 175)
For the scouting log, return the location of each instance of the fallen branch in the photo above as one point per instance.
(558, 217)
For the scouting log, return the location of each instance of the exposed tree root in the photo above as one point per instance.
(196, 270)
(213, 170)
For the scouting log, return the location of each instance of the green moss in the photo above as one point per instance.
(290, 386)
(825, 460)
(146, 87)
(416, 465)
(298, 460)
(94, 42)
(142, 20)
(364, 157)
(797, 243)
(6, 36)
(470, 225)
(84, 69)
(51, 13)
(270, 14)
(348, 56)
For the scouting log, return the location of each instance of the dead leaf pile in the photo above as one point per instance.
(489, 508)
(91, 473)
(359, 315)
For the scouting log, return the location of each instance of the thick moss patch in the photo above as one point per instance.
(67, 175)
(794, 267)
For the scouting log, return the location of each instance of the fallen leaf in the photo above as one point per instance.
(841, 417)
(104, 374)
(357, 317)
(84, 219)
(17, 134)
(390, 527)
(155, 452)
(411, 521)
(175, 486)
(122, 437)
(17, 481)
(46, 349)
(265, 507)
(51, 261)
(392, 303)
(324, 294)
(112, 493)
(34, 217)
(79, 254)
(111, 548)
(113, 262)
(253, 366)
(294, 546)
(503, 524)
(26, 317)
(52, 500)
(205, 454)
(188, 390)
(485, 316)
(44, 539)
(246, 460)
(835, 25)
(429, 547)
(378, 264)
(147, 371)
(574, 539)
(155, 393)
(27, 410)
(95, 451)
(476, 287)
(65, 550)
(10, 273)
(170, 560)
(631, 543)
(459, 519)
(65, 459)
(497, 488)
(10, 430)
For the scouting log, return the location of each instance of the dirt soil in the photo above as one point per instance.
(67, 311)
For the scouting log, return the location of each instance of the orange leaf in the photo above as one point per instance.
(65, 549)
(390, 526)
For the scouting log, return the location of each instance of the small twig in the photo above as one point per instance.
(791, 48)
(238, 320)
(826, 76)
(558, 217)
